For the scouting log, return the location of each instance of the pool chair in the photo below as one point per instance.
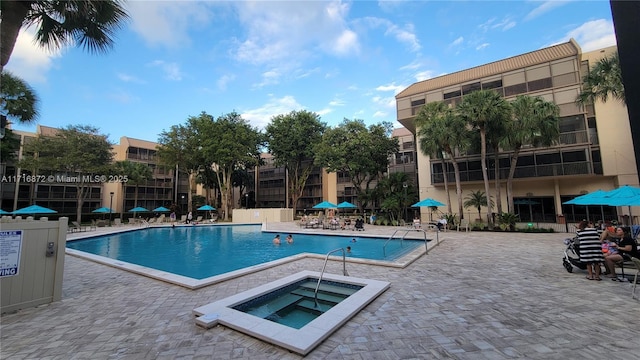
(359, 225)
(76, 225)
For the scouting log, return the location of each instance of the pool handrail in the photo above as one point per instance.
(406, 231)
(344, 271)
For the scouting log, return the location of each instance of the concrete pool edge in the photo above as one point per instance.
(302, 340)
(195, 284)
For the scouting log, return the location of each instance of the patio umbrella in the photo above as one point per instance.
(2, 212)
(346, 205)
(34, 209)
(103, 210)
(161, 209)
(592, 198)
(325, 205)
(427, 202)
(139, 209)
(206, 208)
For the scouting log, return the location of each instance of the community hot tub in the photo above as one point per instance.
(287, 313)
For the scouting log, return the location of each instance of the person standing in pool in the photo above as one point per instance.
(289, 239)
(348, 249)
(276, 240)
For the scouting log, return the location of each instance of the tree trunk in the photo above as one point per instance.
(446, 186)
(456, 170)
(496, 174)
(13, 15)
(512, 172)
(483, 162)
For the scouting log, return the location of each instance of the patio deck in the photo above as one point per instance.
(475, 296)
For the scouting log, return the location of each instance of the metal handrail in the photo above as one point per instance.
(344, 271)
(406, 231)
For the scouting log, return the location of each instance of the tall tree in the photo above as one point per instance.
(90, 24)
(291, 140)
(604, 79)
(180, 148)
(441, 129)
(229, 143)
(396, 197)
(535, 122)
(18, 101)
(496, 131)
(479, 109)
(78, 152)
(361, 152)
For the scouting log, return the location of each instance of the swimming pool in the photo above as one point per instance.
(200, 252)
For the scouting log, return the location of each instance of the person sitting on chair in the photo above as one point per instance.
(416, 222)
(626, 249)
(359, 225)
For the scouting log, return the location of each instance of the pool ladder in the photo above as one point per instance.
(406, 231)
(344, 272)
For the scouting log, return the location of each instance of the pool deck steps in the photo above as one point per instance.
(328, 297)
(275, 306)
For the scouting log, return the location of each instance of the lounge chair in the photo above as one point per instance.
(117, 222)
(359, 225)
(199, 219)
(78, 227)
(183, 219)
(94, 225)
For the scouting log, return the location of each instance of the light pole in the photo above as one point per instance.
(182, 204)
(110, 205)
(404, 200)
(246, 201)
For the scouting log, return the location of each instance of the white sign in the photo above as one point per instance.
(10, 248)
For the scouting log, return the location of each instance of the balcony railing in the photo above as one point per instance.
(576, 168)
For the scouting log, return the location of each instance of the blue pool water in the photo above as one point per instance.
(199, 252)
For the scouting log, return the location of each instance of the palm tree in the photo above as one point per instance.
(441, 129)
(535, 122)
(477, 199)
(18, 100)
(88, 23)
(604, 79)
(479, 109)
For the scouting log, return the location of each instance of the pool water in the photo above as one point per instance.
(200, 252)
(295, 305)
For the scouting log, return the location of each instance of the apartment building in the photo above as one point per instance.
(595, 149)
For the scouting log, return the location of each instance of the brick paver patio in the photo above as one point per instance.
(476, 296)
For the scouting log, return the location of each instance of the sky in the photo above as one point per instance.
(339, 59)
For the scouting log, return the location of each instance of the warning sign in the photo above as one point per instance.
(10, 248)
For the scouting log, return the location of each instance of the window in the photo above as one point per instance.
(553, 158)
(492, 85)
(469, 88)
(574, 156)
(407, 145)
(417, 102)
(515, 89)
(452, 94)
(540, 84)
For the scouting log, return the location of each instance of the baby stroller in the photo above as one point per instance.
(572, 255)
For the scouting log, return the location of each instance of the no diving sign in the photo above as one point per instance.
(10, 248)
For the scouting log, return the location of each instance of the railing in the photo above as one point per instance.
(406, 231)
(344, 271)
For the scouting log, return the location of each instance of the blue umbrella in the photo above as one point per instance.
(206, 208)
(325, 205)
(34, 209)
(138, 209)
(592, 198)
(346, 205)
(161, 209)
(2, 212)
(427, 202)
(102, 210)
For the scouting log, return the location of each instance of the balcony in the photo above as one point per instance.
(575, 168)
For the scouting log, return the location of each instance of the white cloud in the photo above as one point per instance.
(378, 114)
(171, 70)
(457, 42)
(261, 116)
(129, 78)
(491, 24)
(482, 46)
(167, 23)
(337, 102)
(29, 61)
(424, 75)
(122, 96)
(404, 35)
(224, 80)
(275, 30)
(544, 7)
(387, 102)
(391, 87)
(324, 111)
(270, 77)
(592, 35)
